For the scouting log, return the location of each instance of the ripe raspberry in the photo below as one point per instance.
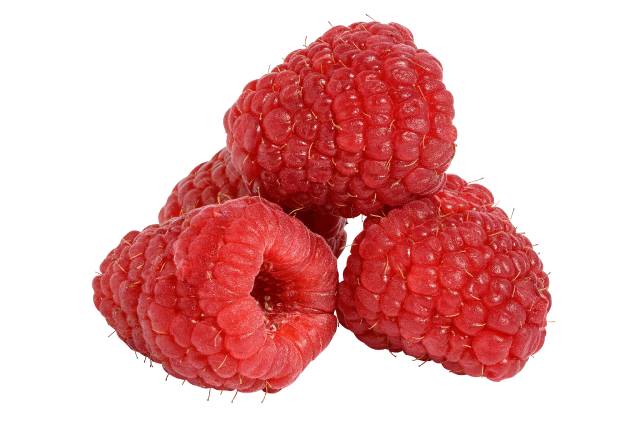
(447, 278)
(216, 181)
(237, 296)
(356, 121)
(212, 182)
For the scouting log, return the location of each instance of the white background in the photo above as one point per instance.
(105, 105)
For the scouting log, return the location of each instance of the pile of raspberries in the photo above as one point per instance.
(237, 286)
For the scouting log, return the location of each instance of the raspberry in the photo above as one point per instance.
(356, 121)
(216, 181)
(447, 278)
(212, 182)
(236, 296)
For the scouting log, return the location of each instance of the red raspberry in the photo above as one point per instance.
(447, 278)
(237, 296)
(212, 182)
(216, 181)
(356, 121)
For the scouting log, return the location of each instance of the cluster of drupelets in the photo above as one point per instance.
(237, 286)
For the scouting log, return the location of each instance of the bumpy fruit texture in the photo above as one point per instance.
(448, 279)
(236, 296)
(216, 181)
(212, 182)
(356, 121)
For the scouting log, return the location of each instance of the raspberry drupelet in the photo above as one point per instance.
(357, 121)
(235, 296)
(216, 181)
(447, 278)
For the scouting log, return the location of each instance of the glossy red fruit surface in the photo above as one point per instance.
(448, 279)
(236, 296)
(217, 181)
(356, 121)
